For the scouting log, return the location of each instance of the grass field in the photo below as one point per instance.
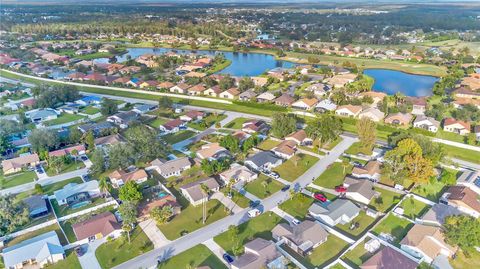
(263, 190)
(386, 200)
(238, 198)
(431, 191)
(157, 122)
(236, 123)
(178, 136)
(394, 226)
(333, 176)
(119, 250)
(297, 205)
(364, 222)
(16, 179)
(70, 261)
(191, 219)
(195, 257)
(413, 208)
(358, 255)
(63, 118)
(66, 168)
(462, 154)
(295, 166)
(90, 110)
(268, 144)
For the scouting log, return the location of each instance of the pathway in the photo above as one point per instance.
(284, 215)
(227, 202)
(153, 233)
(89, 260)
(216, 249)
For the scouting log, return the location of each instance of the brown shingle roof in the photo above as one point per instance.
(104, 223)
(388, 258)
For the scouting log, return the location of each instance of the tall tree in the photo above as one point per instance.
(98, 162)
(128, 212)
(130, 192)
(43, 139)
(283, 125)
(366, 129)
(108, 107)
(90, 140)
(13, 214)
(161, 215)
(145, 143)
(463, 231)
(326, 129)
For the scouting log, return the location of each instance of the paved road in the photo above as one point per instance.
(190, 240)
(43, 182)
(13, 81)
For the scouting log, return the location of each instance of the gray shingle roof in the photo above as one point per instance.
(335, 209)
(263, 157)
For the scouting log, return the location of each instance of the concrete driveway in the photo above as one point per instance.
(153, 233)
(89, 260)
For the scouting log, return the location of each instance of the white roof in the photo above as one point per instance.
(74, 188)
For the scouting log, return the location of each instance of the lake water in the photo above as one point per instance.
(254, 64)
(243, 64)
(390, 82)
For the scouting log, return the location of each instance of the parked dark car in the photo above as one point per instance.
(254, 204)
(286, 188)
(227, 258)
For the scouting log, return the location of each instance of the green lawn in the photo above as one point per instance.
(119, 250)
(355, 149)
(296, 166)
(462, 154)
(260, 226)
(386, 200)
(16, 179)
(333, 176)
(23, 237)
(268, 144)
(259, 189)
(464, 262)
(207, 122)
(332, 144)
(70, 262)
(363, 220)
(238, 198)
(358, 255)
(323, 254)
(195, 257)
(157, 122)
(236, 123)
(178, 136)
(394, 226)
(431, 191)
(297, 206)
(63, 118)
(90, 110)
(64, 210)
(66, 168)
(450, 136)
(191, 219)
(413, 208)
(49, 189)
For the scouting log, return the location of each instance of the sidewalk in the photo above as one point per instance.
(227, 202)
(153, 233)
(216, 249)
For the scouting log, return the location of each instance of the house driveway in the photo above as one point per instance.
(153, 233)
(216, 249)
(89, 260)
(227, 202)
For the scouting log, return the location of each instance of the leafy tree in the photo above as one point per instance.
(283, 125)
(463, 231)
(104, 185)
(250, 142)
(448, 177)
(367, 134)
(215, 166)
(9, 127)
(231, 143)
(38, 189)
(90, 140)
(161, 215)
(144, 142)
(56, 163)
(120, 156)
(128, 212)
(432, 151)
(226, 82)
(74, 136)
(245, 83)
(130, 192)
(165, 102)
(326, 129)
(43, 139)
(13, 215)
(98, 162)
(52, 96)
(4, 144)
(108, 107)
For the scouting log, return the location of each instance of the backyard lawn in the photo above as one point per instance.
(462, 262)
(386, 200)
(16, 179)
(90, 110)
(236, 123)
(195, 257)
(207, 122)
(268, 144)
(63, 118)
(394, 226)
(323, 254)
(354, 149)
(65, 210)
(260, 226)
(70, 262)
(66, 168)
(191, 219)
(297, 206)
(178, 136)
(413, 208)
(23, 237)
(119, 250)
(295, 166)
(157, 122)
(358, 255)
(263, 190)
(238, 198)
(333, 176)
(49, 189)
(362, 219)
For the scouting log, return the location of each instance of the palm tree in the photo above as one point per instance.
(104, 185)
(345, 164)
(74, 153)
(127, 228)
(205, 192)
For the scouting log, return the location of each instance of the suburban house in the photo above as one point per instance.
(259, 253)
(35, 252)
(42, 114)
(426, 123)
(180, 88)
(286, 149)
(238, 173)
(123, 119)
(372, 113)
(143, 108)
(158, 199)
(376, 96)
(255, 126)
(15, 165)
(214, 91)
(264, 160)
(102, 225)
(67, 151)
(399, 118)
(463, 198)
(348, 110)
(192, 115)
(299, 137)
(109, 140)
(120, 177)
(437, 214)
(37, 206)
(370, 171)
(426, 242)
(305, 103)
(73, 194)
(170, 168)
(96, 128)
(196, 90)
(318, 89)
(470, 179)
(165, 85)
(419, 105)
(213, 151)
(194, 193)
(339, 211)
(89, 100)
(339, 81)
(247, 95)
(284, 100)
(359, 190)
(172, 126)
(265, 97)
(241, 136)
(389, 258)
(326, 105)
(231, 93)
(456, 126)
(302, 238)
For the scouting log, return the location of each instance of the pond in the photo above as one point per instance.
(243, 64)
(391, 82)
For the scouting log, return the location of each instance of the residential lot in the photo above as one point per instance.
(197, 256)
(8, 181)
(296, 166)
